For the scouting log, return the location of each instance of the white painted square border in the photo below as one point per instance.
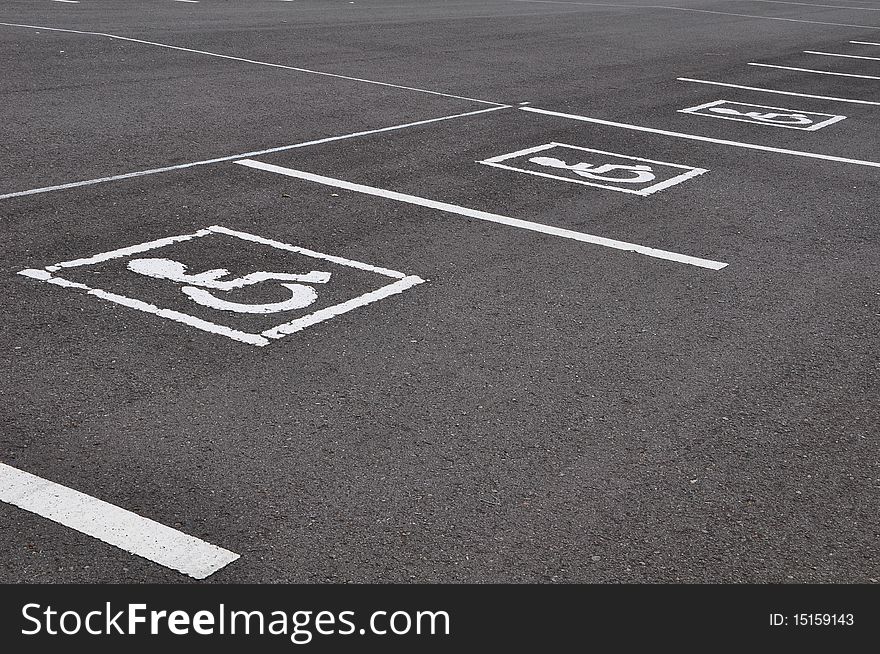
(402, 283)
(692, 172)
(832, 118)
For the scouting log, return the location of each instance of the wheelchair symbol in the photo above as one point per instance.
(781, 119)
(199, 286)
(638, 174)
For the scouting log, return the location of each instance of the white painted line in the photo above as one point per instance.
(111, 524)
(776, 117)
(252, 61)
(811, 4)
(206, 162)
(483, 215)
(864, 43)
(837, 54)
(705, 139)
(644, 191)
(762, 90)
(192, 1)
(73, 2)
(699, 11)
(810, 70)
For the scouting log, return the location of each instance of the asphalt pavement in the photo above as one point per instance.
(520, 318)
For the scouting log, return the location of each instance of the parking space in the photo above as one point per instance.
(319, 293)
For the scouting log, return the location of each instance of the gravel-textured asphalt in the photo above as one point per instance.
(541, 409)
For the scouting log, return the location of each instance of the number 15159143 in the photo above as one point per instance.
(812, 620)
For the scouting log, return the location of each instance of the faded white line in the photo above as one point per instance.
(705, 139)
(776, 91)
(864, 43)
(252, 61)
(483, 215)
(112, 524)
(205, 162)
(699, 11)
(837, 54)
(819, 72)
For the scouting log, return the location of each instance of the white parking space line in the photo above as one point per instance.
(483, 215)
(777, 92)
(838, 54)
(819, 72)
(252, 61)
(864, 43)
(112, 524)
(73, 2)
(699, 11)
(205, 162)
(705, 139)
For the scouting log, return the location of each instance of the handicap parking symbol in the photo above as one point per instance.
(809, 121)
(301, 288)
(198, 287)
(609, 170)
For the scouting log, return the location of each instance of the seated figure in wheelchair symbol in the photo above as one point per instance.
(638, 174)
(781, 119)
(199, 285)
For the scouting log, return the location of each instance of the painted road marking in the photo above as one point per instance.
(764, 115)
(251, 61)
(111, 524)
(206, 162)
(810, 70)
(705, 139)
(837, 54)
(778, 92)
(199, 285)
(608, 170)
(484, 215)
(864, 43)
